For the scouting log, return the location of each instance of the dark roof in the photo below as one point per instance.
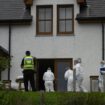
(13, 11)
(4, 51)
(93, 10)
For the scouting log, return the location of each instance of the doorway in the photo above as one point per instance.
(43, 65)
(58, 68)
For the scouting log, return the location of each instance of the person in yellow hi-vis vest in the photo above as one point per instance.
(28, 65)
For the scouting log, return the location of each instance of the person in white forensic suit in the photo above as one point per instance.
(69, 77)
(101, 76)
(48, 78)
(79, 76)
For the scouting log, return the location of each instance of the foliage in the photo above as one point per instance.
(52, 98)
(81, 99)
(19, 98)
(4, 63)
(72, 98)
(1, 85)
(96, 99)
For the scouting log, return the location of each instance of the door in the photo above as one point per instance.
(60, 65)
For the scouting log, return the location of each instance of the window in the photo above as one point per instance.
(44, 20)
(65, 19)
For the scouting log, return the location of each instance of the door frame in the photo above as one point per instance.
(37, 75)
(55, 69)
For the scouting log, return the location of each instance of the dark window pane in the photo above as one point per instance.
(41, 13)
(68, 25)
(68, 13)
(48, 13)
(48, 26)
(62, 26)
(62, 13)
(41, 26)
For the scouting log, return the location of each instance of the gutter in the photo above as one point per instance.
(9, 49)
(103, 56)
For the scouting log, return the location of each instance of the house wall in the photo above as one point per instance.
(85, 43)
(4, 36)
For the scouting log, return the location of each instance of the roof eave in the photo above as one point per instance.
(4, 51)
(16, 21)
(90, 19)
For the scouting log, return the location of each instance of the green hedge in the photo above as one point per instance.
(81, 99)
(55, 98)
(19, 98)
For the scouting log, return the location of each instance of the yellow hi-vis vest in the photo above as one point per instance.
(28, 63)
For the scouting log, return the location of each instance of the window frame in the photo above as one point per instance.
(65, 33)
(37, 20)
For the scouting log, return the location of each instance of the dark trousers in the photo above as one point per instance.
(29, 77)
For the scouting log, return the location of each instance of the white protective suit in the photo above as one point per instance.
(69, 77)
(101, 78)
(48, 77)
(79, 78)
(15, 85)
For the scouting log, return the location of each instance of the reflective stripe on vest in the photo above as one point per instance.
(28, 63)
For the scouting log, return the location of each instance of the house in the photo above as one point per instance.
(56, 32)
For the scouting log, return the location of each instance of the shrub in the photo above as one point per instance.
(19, 98)
(53, 98)
(71, 98)
(96, 99)
(4, 64)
